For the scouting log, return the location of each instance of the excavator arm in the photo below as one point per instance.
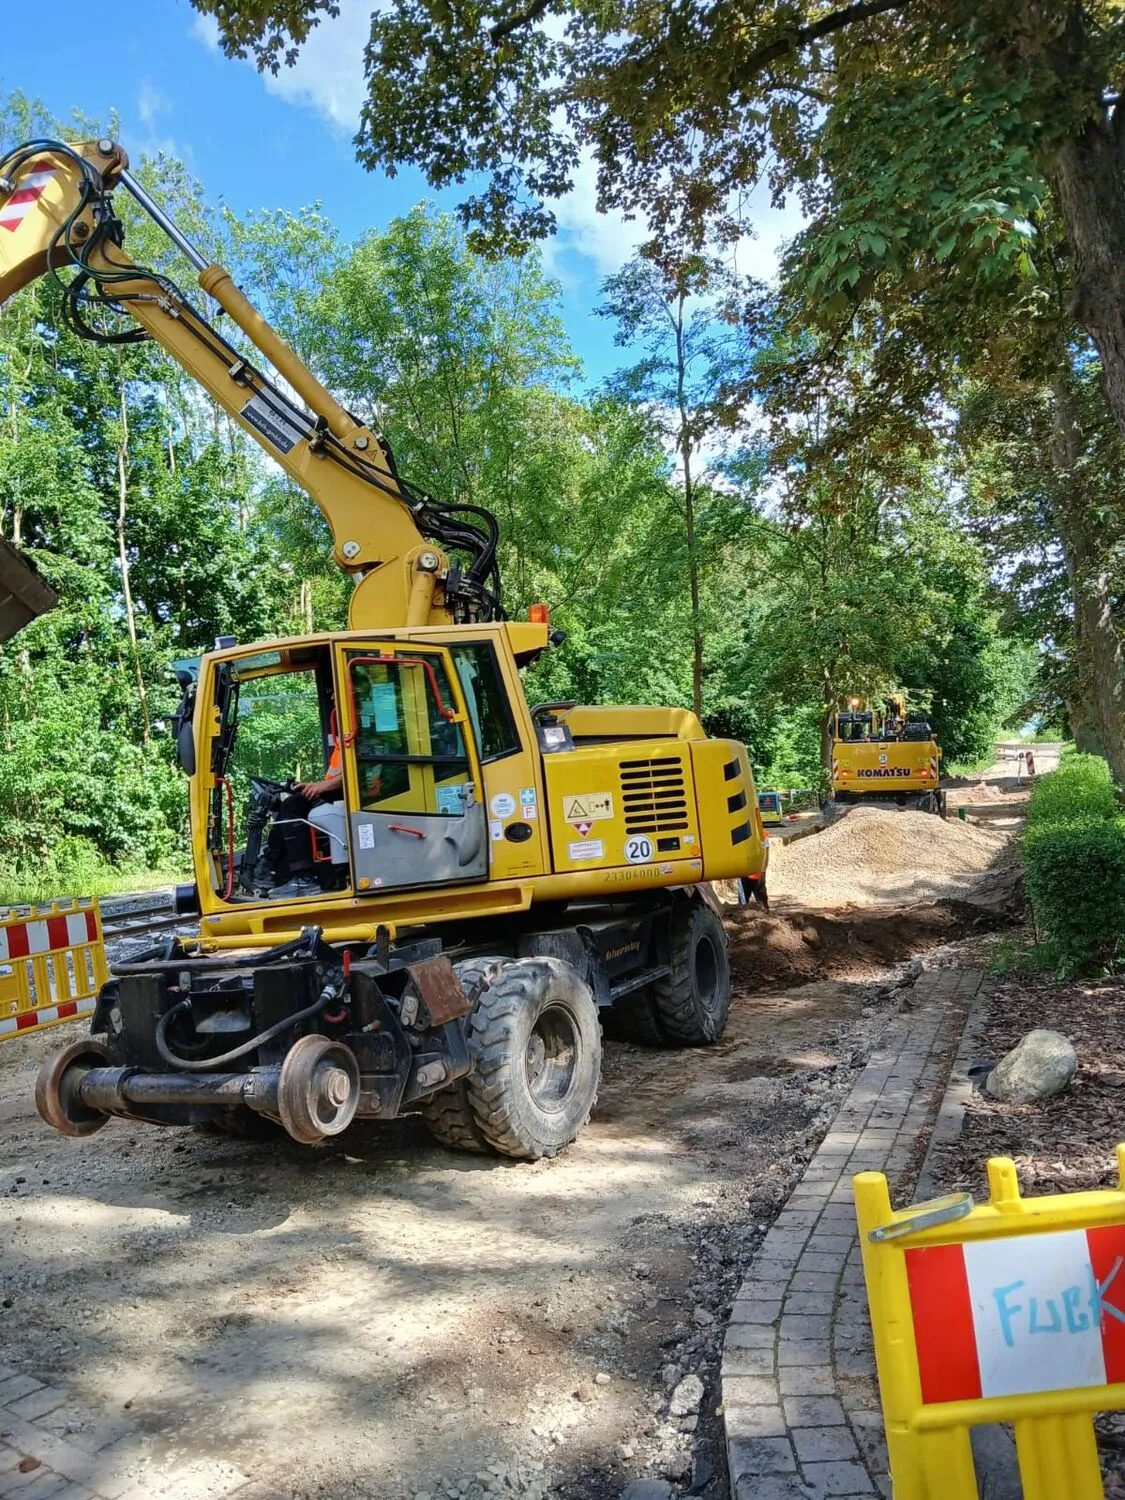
(416, 561)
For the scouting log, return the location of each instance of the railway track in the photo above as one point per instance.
(136, 916)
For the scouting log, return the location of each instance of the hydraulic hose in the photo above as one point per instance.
(209, 1064)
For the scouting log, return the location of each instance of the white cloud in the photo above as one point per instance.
(205, 29)
(328, 74)
(607, 239)
(151, 103)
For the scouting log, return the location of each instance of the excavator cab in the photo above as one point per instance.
(407, 811)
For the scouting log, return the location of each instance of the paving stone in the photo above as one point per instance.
(750, 1390)
(15, 1483)
(16, 1386)
(747, 1362)
(768, 1310)
(804, 1352)
(823, 1444)
(813, 1411)
(837, 1479)
(749, 1456)
(74, 1492)
(55, 1452)
(822, 1260)
(749, 1336)
(804, 1325)
(814, 1281)
(829, 1243)
(753, 1290)
(805, 1380)
(818, 1303)
(39, 1402)
(762, 1269)
(771, 1487)
(45, 1487)
(755, 1422)
(9, 1458)
(783, 1243)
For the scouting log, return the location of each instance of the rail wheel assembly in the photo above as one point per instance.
(318, 1091)
(57, 1096)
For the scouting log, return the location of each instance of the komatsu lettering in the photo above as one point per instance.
(885, 771)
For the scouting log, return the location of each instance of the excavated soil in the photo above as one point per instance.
(878, 857)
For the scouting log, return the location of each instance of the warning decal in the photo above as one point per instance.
(588, 807)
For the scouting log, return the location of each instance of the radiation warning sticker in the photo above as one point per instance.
(588, 808)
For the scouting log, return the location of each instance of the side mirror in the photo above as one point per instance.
(181, 728)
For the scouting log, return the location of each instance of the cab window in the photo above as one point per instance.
(410, 755)
(479, 674)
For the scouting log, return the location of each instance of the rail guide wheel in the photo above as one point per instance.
(57, 1088)
(318, 1091)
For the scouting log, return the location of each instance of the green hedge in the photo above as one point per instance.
(1074, 854)
(1076, 884)
(1081, 788)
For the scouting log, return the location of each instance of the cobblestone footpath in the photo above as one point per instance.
(800, 1400)
(41, 1458)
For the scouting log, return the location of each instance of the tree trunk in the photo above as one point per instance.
(828, 708)
(686, 449)
(693, 570)
(1089, 183)
(1095, 625)
(123, 558)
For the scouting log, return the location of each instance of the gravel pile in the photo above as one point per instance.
(879, 857)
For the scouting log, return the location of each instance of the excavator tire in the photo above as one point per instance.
(536, 1043)
(633, 1018)
(241, 1124)
(448, 1116)
(692, 1002)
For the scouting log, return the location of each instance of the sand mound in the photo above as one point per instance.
(876, 857)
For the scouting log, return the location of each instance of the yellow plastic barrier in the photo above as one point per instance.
(52, 964)
(1013, 1311)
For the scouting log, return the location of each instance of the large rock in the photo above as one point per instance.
(1038, 1067)
(647, 1489)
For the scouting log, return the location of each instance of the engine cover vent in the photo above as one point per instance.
(654, 795)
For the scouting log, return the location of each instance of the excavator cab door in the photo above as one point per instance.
(416, 814)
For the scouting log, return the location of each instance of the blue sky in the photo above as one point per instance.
(285, 142)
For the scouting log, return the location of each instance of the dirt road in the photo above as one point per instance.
(383, 1319)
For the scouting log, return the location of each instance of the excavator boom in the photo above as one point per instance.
(416, 561)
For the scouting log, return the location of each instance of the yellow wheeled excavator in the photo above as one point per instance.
(437, 922)
(887, 755)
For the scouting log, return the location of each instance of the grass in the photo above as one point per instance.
(24, 890)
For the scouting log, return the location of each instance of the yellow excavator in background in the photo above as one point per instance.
(438, 923)
(886, 755)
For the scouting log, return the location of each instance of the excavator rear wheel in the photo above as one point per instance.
(692, 1002)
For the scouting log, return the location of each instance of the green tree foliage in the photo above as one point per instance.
(923, 135)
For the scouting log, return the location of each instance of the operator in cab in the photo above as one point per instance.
(311, 802)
